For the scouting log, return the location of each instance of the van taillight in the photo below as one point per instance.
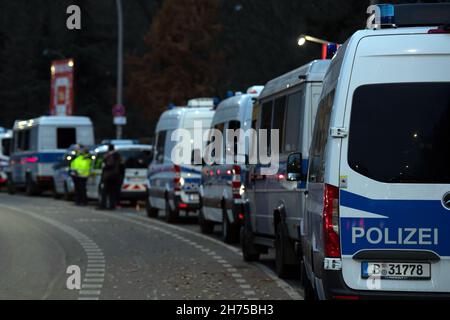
(236, 182)
(177, 178)
(331, 222)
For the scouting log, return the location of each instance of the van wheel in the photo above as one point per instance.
(171, 215)
(10, 186)
(56, 195)
(249, 250)
(282, 245)
(31, 188)
(230, 232)
(151, 212)
(309, 293)
(206, 227)
(66, 195)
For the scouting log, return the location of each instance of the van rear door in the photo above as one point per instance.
(394, 166)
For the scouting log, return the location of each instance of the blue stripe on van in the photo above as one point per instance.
(425, 222)
(44, 157)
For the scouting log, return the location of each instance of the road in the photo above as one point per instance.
(121, 255)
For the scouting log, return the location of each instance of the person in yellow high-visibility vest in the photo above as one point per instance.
(81, 168)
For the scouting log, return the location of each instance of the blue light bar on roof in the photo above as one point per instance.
(387, 14)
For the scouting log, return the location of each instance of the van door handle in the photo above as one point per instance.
(306, 192)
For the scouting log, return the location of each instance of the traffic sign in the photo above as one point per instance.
(118, 111)
(120, 121)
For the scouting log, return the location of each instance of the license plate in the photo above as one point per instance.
(193, 197)
(396, 271)
(136, 179)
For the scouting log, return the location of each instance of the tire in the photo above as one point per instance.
(249, 250)
(31, 188)
(230, 232)
(206, 227)
(151, 212)
(55, 194)
(171, 215)
(309, 293)
(282, 244)
(66, 195)
(10, 186)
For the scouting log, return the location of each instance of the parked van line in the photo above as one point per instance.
(174, 188)
(38, 144)
(275, 204)
(377, 210)
(223, 184)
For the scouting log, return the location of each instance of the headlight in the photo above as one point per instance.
(242, 190)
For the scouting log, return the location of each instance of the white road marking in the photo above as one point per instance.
(286, 287)
(81, 238)
(90, 292)
(150, 223)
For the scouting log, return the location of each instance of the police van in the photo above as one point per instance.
(223, 183)
(5, 149)
(135, 161)
(171, 187)
(275, 203)
(378, 206)
(38, 144)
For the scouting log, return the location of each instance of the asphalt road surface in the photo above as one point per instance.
(121, 255)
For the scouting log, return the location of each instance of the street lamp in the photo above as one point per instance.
(119, 103)
(306, 38)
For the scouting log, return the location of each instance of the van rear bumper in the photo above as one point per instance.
(185, 206)
(334, 288)
(141, 195)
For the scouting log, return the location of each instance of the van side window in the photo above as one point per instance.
(220, 127)
(6, 147)
(294, 126)
(65, 137)
(278, 119)
(320, 138)
(235, 125)
(266, 120)
(160, 146)
(22, 140)
(255, 115)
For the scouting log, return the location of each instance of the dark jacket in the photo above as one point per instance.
(112, 167)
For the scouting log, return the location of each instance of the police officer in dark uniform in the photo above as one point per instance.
(112, 178)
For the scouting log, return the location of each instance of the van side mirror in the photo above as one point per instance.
(294, 167)
(160, 158)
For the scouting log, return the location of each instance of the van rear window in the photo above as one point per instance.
(136, 159)
(400, 133)
(66, 137)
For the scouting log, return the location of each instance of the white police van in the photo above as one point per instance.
(222, 186)
(175, 188)
(38, 144)
(5, 150)
(378, 208)
(275, 204)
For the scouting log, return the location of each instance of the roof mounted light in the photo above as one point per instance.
(381, 16)
(387, 14)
